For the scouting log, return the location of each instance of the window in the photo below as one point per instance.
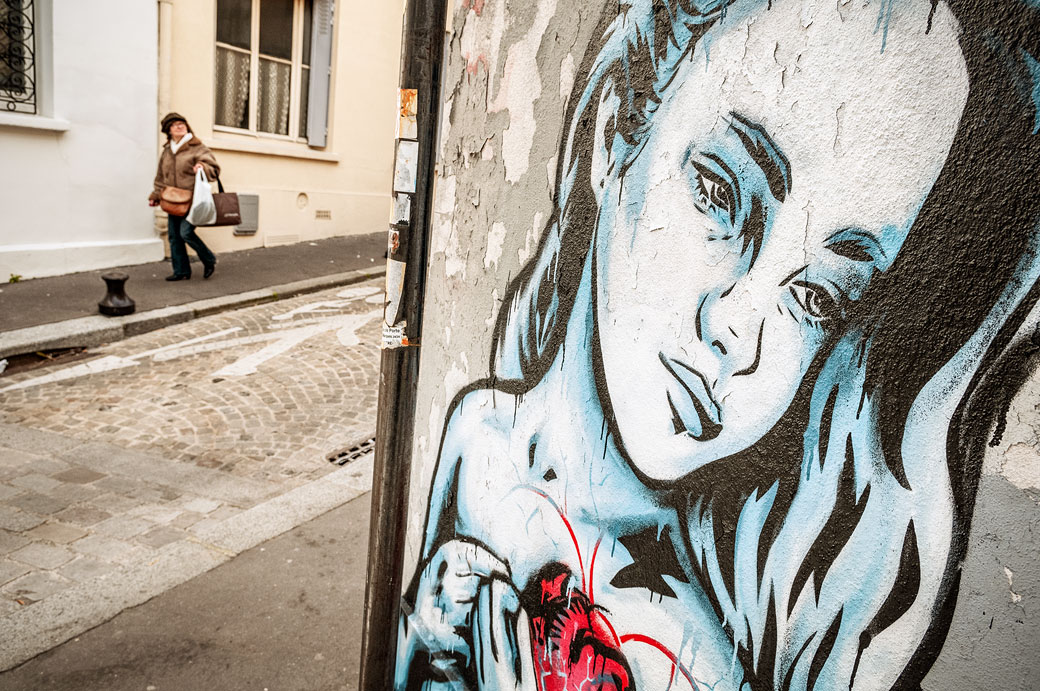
(263, 66)
(17, 56)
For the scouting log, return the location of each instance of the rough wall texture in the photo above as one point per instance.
(729, 356)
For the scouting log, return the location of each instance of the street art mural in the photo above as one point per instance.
(740, 392)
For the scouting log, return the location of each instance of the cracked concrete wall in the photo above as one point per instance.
(512, 71)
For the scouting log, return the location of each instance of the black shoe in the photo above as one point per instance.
(175, 277)
(208, 270)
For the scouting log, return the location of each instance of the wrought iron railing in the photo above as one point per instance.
(17, 56)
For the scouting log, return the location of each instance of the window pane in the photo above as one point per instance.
(308, 20)
(273, 115)
(234, 22)
(232, 87)
(276, 28)
(305, 81)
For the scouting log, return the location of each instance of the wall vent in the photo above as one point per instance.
(249, 206)
(323, 215)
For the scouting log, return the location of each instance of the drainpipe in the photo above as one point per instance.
(165, 54)
(165, 70)
(421, 57)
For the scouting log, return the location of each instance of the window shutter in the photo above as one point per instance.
(321, 70)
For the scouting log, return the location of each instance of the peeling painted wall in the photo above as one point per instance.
(729, 357)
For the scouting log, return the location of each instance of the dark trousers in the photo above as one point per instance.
(182, 233)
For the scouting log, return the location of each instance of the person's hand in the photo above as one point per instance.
(153, 202)
(467, 613)
(197, 168)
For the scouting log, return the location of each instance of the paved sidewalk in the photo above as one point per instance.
(61, 311)
(159, 457)
(57, 298)
(285, 615)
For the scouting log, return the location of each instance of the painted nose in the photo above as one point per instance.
(733, 331)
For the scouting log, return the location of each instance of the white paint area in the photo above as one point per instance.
(444, 239)
(521, 86)
(531, 240)
(346, 327)
(495, 240)
(1010, 575)
(283, 337)
(566, 76)
(456, 378)
(105, 364)
(356, 292)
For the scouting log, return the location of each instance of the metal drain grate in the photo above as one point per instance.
(345, 456)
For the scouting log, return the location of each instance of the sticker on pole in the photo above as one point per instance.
(407, 123)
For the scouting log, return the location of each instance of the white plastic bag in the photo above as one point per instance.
(203, 211)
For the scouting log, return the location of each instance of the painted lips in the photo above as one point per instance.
(695, 411)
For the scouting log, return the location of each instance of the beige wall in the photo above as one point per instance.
(350, 177)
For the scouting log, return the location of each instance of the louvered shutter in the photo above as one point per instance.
(320, 73)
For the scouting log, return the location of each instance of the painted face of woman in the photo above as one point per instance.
(779, 176)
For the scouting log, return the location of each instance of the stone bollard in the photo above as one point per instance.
(116, 302)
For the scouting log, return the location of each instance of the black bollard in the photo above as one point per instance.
(116, 302)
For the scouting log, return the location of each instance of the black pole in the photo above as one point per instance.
(421, 54)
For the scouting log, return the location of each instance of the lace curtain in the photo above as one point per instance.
(232, 108)
(273, 106)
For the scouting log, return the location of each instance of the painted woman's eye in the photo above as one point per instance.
(714, 194)
(815, 300)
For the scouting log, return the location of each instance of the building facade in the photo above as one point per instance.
(295, 97)
(77, 135)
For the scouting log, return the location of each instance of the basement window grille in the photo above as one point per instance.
(18, 56)
(352, 453)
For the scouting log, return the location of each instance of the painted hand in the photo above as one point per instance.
(465, 619)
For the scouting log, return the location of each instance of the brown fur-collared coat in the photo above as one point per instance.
(176, 170)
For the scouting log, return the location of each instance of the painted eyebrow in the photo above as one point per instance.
(856, 245)
(765, 153)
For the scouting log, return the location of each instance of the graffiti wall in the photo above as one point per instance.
(728, 370)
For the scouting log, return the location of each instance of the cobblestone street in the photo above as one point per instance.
(178, 443)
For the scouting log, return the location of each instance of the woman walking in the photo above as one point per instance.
(183, 155)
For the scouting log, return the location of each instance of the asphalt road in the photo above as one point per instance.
(283, 616)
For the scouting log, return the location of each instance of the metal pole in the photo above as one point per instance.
(421, 54)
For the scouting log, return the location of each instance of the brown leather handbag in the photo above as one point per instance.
(175, 201)
(228, 212)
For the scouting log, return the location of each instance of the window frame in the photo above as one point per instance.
(296, 85)
(29, 104)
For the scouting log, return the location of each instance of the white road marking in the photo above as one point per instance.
(190, 341)
(105, 364)
(287, 336)
(359, 292)
(211, 347)
(347, 326)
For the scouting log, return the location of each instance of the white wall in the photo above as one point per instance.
(74, 180)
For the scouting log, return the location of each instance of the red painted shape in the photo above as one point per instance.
(573, 644)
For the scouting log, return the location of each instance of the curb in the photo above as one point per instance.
(97, 330)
